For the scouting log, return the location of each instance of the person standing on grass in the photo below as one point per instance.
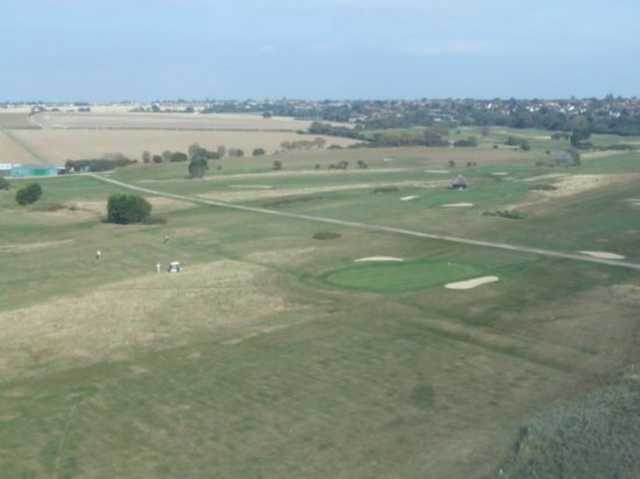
(98, 255)
(166, 239)
(157, 267)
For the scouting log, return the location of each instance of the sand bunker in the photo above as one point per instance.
(602, 254)
(438, 172)
(409, 198)
(472, 283)
(379, 259)
(500, 173)
(458, 205)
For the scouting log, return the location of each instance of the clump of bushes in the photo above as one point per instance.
(508, 214)
(326, 235)
(259, 152)
(277, 165)
(29, 194)
(543, 187)
(125, 209)
(470, 142)
(596, 436)
(109, 162)
(4, 184)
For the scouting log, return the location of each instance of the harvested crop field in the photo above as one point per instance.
(58, 146)
(14, 120)
(168, 121)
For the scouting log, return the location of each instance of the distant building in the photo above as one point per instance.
(21, 171)
(5, 168)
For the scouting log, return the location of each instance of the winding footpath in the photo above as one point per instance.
(372, 227)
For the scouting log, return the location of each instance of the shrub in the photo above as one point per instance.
(277, 165)
(4, 184)
(326, 235)
(29, 194)
(178, 157)
(198, 167)
(317, 167)
(157, 159)
(508, 214)
(124, 209)
(259, 152)
(543, 187)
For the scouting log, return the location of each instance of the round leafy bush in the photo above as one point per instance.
(4, 184)
(124, 209)
(29, 194)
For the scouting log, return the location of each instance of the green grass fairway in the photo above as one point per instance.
(401, 277)
(273, 354)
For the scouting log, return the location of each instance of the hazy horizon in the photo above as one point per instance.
(69, 50)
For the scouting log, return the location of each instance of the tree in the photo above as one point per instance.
(277, 165)
(124, 209)
(198, 167)
(4, 184)
(179, 156)
(266, 115)
(29, 194)
(157, 159)
(166, 156)
(259, 152)
(236, 152)
(222, 150)
(146, 157)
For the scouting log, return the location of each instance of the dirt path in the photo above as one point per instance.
(379, 228)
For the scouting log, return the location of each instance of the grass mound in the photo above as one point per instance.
(400, 277)
(598, 436)
(326, 235)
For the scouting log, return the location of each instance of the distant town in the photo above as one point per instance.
(608, 115)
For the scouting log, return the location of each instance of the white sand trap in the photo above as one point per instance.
(500, 173)
(387, 160)
(602, 255)
(472, 283)
(546, 177)
(438, 172)
(409, 198)
(458, 205)
(379, 259)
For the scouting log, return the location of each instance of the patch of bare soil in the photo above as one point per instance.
(151, 311)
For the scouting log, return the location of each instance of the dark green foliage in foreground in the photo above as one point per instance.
(29, 194)
(125, 209)
(598, 437)
(4, 184)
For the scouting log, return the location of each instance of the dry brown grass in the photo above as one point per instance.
(118, 119)
(10, 152)
(154, 310)
(59, 145)
(261, 193)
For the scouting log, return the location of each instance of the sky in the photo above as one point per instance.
(95, 50)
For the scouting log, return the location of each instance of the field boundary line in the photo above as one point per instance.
(373, 227)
